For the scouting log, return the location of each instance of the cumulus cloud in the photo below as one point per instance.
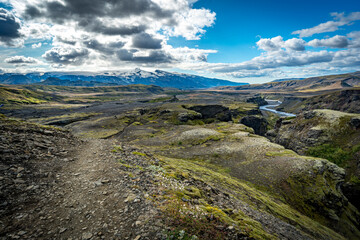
(65, 56)
(36, 45)
(108, 48)
(139, 28)
(277, 43)
(146, 41)
(333, 42)
(9, 28)
(191, 24)
(270, 44)
(189, 55)
(340, 19)
(123, 17)
(37, 31)
(60, 11)
(98, 26)
(154, 56)
(346, 58)
(271, 61)
(295, 44)
(354, 39)
(21, 60)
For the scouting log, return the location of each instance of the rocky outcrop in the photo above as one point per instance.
(314, 128)
(186, 116)
(258, 123)
(218, 112)
(328, 134)
(260, 101)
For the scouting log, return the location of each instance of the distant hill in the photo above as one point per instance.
(23, 96)
(313, 84)
(138, 76)
(345, 100)
(287, 79)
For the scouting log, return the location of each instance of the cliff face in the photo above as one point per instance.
(328, 134)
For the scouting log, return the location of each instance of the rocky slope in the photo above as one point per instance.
(345, 101)
(333, 135)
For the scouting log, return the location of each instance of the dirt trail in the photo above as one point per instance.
(89, 196)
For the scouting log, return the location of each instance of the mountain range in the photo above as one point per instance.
(138, 76)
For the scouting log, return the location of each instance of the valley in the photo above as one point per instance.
(152, 162)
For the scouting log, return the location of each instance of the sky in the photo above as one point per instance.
(243, 41)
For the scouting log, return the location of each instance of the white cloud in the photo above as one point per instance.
(295, 44)
(66, 55)
(331, 26)
(354, 39)
(333, 42)
(277, 60)
(277, 43)
(97, 28)
(36, 31)
(36, 45)
(191, 24)
(21, 60)
(270, 44)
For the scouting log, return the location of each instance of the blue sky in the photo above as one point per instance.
(245, 41)
(239, 24)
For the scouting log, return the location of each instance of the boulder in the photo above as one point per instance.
(218, 112)
(355, 123)
(258, 123)
(184, 117)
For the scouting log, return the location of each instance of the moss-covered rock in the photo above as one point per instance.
(328, 134)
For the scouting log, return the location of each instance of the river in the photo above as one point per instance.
(273, 104)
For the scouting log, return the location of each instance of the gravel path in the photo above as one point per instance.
(77, 190)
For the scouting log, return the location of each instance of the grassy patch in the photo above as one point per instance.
(22, 96)
(117, 149)
(139, 154)
(184, 217)
(247, 193)
(332, 153)
(105, 133)
(281, 153)
(354, 179)
(160, 99)
(208, 139)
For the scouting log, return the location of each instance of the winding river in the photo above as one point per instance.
(273, 104)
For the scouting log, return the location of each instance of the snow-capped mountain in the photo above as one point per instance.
(137, 76)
